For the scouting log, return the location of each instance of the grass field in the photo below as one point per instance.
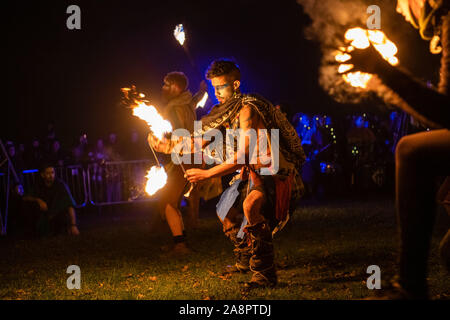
(322, 254)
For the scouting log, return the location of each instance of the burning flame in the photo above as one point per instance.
(179, 34)
(362, 39)
(157, 124)
(156, 179)
(202, 102)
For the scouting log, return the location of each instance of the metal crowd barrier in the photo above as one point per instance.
(97, 184)
(117, 182)
(73, 176)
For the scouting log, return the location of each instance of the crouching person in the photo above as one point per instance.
(56, 205)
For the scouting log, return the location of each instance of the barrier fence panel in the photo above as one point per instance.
(98, 184)
(72, 176)
(117, 182)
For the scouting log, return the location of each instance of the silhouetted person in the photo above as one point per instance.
(420, 157)
(56, 205)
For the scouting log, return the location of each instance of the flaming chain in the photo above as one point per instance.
(362, 39)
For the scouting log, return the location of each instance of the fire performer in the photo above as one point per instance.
(179, 112)
(419, 157)
(261, 200)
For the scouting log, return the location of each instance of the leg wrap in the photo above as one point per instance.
(262, 259)
(242, 250)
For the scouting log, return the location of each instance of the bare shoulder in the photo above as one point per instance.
(248, 113)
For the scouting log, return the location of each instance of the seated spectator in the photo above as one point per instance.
(57, 213)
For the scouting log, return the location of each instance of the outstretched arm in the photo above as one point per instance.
(425, 104)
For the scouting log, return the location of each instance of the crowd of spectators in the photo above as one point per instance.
(50, 149)
(350, 153)
(355, 151)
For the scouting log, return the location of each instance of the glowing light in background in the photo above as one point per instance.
(179, 34)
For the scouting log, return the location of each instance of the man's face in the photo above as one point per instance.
(48, 175)
(224, 88)
(169, 90)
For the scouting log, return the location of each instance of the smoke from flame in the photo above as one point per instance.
(330, 19)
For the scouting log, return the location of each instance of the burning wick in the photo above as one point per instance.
(156, 179)
(362, 39)
(179, 34)
(202, 102)
(156, 176)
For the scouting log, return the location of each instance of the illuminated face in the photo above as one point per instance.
(224, 88)
(169, 90)
(48, 175)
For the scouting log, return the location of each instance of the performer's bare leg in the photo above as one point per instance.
(174, 220)
(420, 158)
(169, 206)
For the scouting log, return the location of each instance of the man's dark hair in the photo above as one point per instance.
(222, 67)
(179, 78)
(44, 165)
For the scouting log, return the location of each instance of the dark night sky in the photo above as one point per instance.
(74, 77)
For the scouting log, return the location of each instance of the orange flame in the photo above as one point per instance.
(156, 179)
(157, 124)
(362, 39)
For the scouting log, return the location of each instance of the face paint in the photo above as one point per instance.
(223, 89)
